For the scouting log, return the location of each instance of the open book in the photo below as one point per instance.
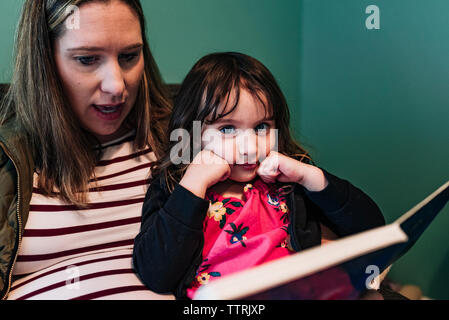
(340, 269)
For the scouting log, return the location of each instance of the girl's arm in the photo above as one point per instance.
(170, 241)
(346, 208)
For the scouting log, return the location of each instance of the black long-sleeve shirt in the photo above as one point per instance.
(168, 249)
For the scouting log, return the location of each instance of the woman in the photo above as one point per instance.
(79, 128)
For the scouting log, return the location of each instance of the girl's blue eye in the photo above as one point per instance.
(262, 128)
(227, 130)
(87, 60)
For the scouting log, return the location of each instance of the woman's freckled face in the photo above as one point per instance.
(101, 65)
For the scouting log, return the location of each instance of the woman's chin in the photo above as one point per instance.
(109, 134)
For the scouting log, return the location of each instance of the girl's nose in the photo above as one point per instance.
(113, 81)
(247, 147)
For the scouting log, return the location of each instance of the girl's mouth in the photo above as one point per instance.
(247, 166)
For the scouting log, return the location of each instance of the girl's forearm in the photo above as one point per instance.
(313, 179)
(194, 185)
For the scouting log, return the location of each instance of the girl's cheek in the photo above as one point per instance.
(267, 144)
(223, 148)
(274, 140)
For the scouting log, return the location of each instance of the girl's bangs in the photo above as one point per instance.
(226, 97)
(220, 99)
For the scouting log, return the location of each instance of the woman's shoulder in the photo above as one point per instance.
(14, 145)
(12, 137)
(11, 131)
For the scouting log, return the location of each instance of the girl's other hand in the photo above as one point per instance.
(279, 167)
(206, 170)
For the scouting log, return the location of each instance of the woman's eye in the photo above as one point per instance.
(128, 57)
(262, 128)
(90, 60)
(87, 61)
(227, 130)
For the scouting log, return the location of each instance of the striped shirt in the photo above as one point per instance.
(72, 253)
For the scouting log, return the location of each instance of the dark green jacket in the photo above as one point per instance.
(16, 186)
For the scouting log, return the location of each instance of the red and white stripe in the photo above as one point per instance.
(94, 245)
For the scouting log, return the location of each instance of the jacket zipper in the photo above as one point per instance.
(19, 220)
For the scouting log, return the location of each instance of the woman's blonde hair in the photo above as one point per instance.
(63, 151)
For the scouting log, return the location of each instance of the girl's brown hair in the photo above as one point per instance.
(63, 152)
(207, 87)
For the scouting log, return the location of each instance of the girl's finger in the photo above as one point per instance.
(268, 173)
(226, 175)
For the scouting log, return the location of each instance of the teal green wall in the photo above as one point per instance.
(181, 32)
(371, 106)
(9, 14)
(374, 107)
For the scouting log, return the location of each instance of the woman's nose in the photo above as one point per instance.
(247, 146)
(113, 81)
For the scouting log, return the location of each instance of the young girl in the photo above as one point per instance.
(249, 196)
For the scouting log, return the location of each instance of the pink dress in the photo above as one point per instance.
(242, 234)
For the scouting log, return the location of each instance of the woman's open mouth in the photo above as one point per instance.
(108, 112)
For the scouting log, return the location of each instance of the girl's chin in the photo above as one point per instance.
(243, 175)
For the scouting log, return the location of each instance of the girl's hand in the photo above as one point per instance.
(206, 170)
(285, 169)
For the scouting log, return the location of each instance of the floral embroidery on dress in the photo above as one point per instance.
(218, 210)
(258, 222)
(273, 200)
(284, 243)
(248, 187)
(285, 212)
(279, 203)
(203, 277)
(237, 234)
